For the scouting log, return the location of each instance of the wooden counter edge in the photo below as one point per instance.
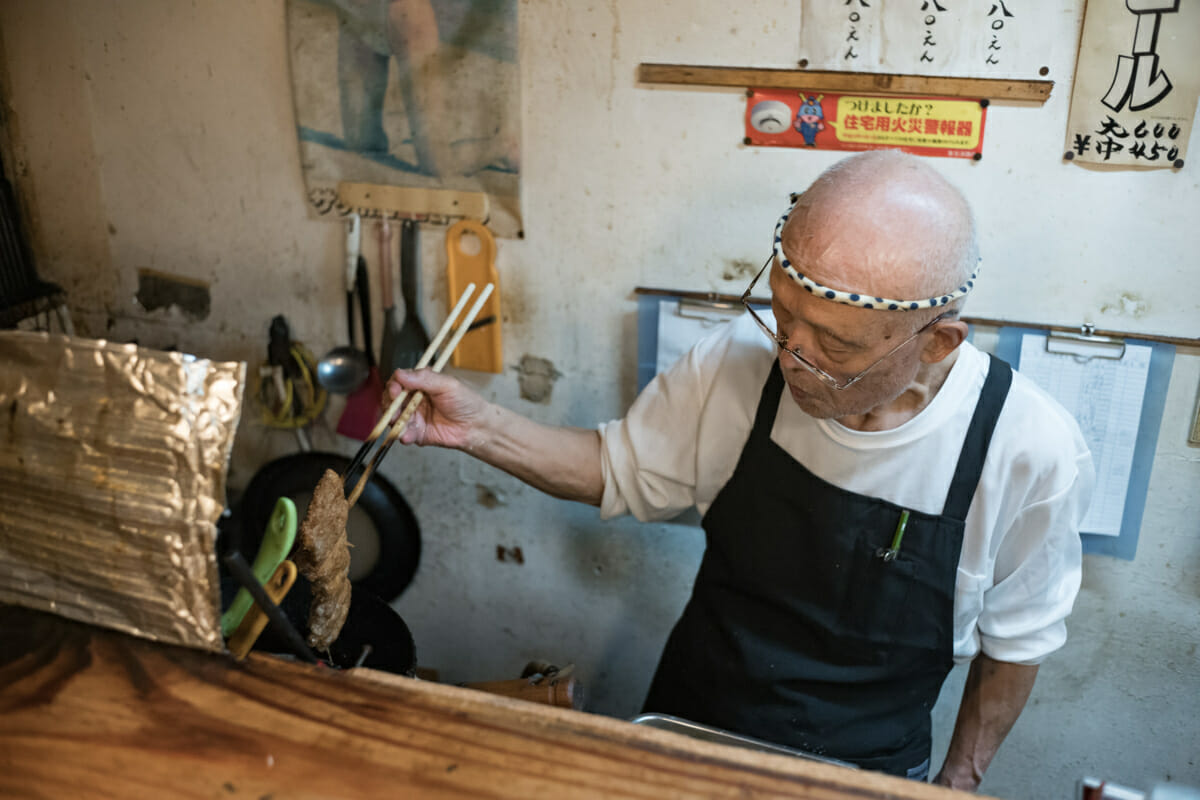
(77, 700)
(863, 783)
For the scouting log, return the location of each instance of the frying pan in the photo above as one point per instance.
(392, 531)
(382, 526)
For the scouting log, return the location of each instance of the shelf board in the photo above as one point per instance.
(871, 83)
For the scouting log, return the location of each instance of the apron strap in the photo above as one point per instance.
(979, 436)
(768, 402)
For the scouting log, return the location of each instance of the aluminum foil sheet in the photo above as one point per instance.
(112, 477)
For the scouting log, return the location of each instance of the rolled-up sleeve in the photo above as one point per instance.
(1037, 574)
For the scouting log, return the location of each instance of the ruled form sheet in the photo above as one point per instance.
(1105, 396)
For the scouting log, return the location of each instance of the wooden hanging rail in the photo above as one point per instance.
(728, 300)
(1037, 91)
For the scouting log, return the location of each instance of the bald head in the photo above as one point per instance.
(883, 223)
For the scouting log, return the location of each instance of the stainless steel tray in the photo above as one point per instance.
(665, 722)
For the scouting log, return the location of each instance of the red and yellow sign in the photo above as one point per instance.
(924, 126)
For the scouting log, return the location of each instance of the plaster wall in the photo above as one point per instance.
(160, 135)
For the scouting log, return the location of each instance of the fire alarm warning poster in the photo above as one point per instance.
(924, 126)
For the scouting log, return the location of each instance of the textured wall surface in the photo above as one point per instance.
(159, 136)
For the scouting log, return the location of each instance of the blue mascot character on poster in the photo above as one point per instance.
(810, 118)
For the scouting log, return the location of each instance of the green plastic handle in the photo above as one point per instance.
(277, 542)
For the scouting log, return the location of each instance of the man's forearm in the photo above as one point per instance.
(995, 693)
(564, 462)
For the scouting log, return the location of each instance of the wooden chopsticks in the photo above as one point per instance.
(397, 428)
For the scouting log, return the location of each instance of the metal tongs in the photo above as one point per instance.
(396, 430)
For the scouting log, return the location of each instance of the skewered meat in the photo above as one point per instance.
(323, 556)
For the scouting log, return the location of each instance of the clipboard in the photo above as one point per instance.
(1096, 380)
(670, 323)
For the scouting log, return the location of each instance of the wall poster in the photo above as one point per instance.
(923, 126)
(1136, 83)
(421, 94)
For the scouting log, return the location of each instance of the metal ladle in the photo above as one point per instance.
(344, 369)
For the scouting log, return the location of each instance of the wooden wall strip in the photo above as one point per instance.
(1037, 91)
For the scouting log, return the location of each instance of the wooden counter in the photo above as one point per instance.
(86, 712)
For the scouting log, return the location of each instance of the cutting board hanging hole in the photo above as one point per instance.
(470, 244)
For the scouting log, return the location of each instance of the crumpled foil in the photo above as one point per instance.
(112, 477)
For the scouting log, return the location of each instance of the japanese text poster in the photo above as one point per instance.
(924, 126)
(1136, 83)
(965, 38)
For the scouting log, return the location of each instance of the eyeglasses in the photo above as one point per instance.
(781, 339)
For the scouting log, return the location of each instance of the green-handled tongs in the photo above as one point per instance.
(276, 544)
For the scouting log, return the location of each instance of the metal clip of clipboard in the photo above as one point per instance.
(696, 308)
(1085, 345)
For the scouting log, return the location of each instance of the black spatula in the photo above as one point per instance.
(411, 340)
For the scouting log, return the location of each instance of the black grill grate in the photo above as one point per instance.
(22, 293)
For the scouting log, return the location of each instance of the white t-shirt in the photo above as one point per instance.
(1020, 567)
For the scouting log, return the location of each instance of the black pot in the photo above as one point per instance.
(374, 634)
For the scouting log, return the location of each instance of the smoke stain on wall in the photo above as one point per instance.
(536, 377)
(1127, 305)
(739, 268)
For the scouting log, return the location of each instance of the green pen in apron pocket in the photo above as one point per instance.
(890, 553)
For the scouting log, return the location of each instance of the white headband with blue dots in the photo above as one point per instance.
(860, 300)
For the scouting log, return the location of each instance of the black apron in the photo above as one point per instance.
(799, 631)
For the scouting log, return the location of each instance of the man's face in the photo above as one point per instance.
(843, 341)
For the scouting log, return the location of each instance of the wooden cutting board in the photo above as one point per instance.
(471, 258)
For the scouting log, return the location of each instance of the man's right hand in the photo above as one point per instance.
(564, 462)
(450, 415)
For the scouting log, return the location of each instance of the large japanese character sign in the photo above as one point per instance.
(1135, 83)
(1138, 80)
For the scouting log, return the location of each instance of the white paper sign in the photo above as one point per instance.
(963, 38)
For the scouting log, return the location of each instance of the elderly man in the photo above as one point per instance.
(880, 498)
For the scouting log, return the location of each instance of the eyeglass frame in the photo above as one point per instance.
(830, 381)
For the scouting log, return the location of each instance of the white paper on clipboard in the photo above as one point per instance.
(1105, 396)
(681, 324)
